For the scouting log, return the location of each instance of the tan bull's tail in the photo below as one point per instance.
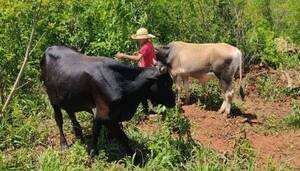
(242, 92)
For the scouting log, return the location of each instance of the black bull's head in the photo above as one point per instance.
(162, 54)
(161, 91)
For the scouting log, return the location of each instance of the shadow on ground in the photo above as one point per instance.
(114, 152)
(212, 102)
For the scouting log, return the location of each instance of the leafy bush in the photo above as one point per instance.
(243, 154)
(269, 89)
(294, 118)
(176, 122)
(208, 95)
(97, 27)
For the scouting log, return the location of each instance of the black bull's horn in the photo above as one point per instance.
(162, 68)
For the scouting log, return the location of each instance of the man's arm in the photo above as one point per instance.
(135, 57)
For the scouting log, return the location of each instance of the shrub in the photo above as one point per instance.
(294, 118)
(270, 89)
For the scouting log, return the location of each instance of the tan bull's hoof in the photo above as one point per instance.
(222, 108)
(226, 116)
(221, 111)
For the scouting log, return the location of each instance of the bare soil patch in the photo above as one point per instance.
(218, 133)
(213, 131)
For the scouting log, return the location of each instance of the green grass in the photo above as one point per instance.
(271, 124)
(29, 141)
(25, 146)
(207, 95)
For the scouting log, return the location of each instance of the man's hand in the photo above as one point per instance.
(120, 55)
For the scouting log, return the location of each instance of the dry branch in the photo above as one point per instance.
(289, 79)
(21, 70)
(23, 85)
(256, 74)
(285, 74)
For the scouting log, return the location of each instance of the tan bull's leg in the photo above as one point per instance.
(226, 105)
(224, 88)
(228, 97)
(186, 90)
(178, 80)
(223, 107)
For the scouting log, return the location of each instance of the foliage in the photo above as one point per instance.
(244, 154)
(160, 151)
(294, 118)
(176, 122)
(270, 89)
(208, 94)
(104, 28)
(272, 124)
(28, 134)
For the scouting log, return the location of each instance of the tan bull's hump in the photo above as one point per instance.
(191, 56)
(204, 49)
(206, 46)
(180, 43)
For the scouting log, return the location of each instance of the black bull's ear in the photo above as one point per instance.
(159, 70)
(162, 54)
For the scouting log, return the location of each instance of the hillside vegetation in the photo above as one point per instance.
(267, 32)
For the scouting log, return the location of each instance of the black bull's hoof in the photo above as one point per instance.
(93, 153)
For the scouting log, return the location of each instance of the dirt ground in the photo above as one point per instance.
(253, 122)
(213, 131)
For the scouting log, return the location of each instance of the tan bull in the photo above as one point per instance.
(203, 62)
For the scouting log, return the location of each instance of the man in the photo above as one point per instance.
(145, 56)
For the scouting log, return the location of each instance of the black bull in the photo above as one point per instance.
(108, 89)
